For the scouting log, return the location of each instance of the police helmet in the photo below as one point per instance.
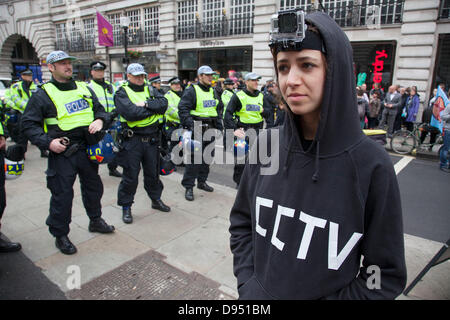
(104, 151)
(190, 144)
(13, 169)
(15, 152)
(240, 147)
(166, 165)
(11, 117)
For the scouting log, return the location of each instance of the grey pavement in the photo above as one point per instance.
(185, 253)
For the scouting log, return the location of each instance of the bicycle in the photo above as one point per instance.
(404, 141)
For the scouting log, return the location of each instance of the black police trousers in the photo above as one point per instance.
(193, 171)
(61, 174)
(2, 186)
(137, 150)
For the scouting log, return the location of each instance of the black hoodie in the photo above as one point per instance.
(302, 232)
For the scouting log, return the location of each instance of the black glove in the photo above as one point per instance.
(15, 152)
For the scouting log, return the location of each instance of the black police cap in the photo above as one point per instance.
(98, 65)
(155, 79)
(228, 81)
(174, 80)
(26, 72)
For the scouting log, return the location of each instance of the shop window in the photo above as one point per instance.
(187, 60)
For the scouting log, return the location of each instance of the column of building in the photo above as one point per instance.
(416, 47)
(167, 53)
(262, 58)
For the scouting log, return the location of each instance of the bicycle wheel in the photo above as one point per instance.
(403, 142)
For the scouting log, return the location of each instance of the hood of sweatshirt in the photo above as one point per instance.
(339, 127)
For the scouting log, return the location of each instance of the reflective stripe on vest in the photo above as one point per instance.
(252, 107)
(136, 97)
(206, 103)
(104, 97)
(226, 97)
(172, 109)
(73, 107)
(20, 97)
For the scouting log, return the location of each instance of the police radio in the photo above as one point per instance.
(287, 28)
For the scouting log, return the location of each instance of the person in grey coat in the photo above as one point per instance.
(392, 102)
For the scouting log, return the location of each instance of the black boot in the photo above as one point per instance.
(99, 225)
(159, 205)
(126, 215)
(65, 245)
(205, 187)
(7, 246)
(189, 194)
(114, 173)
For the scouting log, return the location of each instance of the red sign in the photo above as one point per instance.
(378, 66)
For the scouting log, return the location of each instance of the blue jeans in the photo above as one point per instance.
(443, 157)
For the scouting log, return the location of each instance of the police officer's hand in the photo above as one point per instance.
(96, 126)
(2, 142)
(56, 145)
(240, 133)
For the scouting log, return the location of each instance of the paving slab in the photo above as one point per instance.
(95, 257)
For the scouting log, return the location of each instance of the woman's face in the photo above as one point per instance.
(301, 78)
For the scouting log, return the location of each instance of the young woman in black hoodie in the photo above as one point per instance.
(328, 223)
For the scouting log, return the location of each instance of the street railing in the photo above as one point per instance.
(368, 13)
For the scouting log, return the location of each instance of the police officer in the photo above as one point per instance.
(227, 93)
(141, 109)
(172, 120)
(20, 93)
(5, 245)
(104, 91)
(244, 111)
(199, 103)
(72, 118)
(156, 83)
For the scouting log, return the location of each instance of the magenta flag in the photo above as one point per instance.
(105, 31)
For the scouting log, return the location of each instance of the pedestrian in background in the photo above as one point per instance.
(412, 108)
(374, 110)
(444, 164)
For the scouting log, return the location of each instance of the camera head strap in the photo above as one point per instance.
(290, 33)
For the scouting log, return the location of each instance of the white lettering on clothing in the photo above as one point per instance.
(311, 223)
(334, 259)
(282, 211)
(265, 203)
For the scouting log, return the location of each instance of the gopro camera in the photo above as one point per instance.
(287, 26)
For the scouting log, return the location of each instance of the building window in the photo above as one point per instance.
(114, 19)
(61, 37)
(57, 2)
(241, 16)
(135, 34)
(75, 35)
(151, 25)
(187, 20)
(89, 34)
